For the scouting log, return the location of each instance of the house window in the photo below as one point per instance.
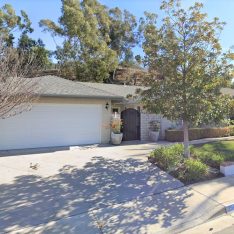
(115, 110)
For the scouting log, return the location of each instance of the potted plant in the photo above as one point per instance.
(154, 129)
(116, 135)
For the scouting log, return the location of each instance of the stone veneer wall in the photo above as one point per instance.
(145, 120)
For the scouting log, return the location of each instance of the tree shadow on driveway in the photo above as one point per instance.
(33, 200)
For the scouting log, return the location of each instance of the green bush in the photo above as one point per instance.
(231, 129)
(209, 158)
(228, 156)
(176, 135)
(194, 170)
(167, 157)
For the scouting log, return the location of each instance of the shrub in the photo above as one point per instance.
(231, 129)
(209, 158)
(167, 157)
(216, 132)
(176, 135)
(194, 170)
(228, 156)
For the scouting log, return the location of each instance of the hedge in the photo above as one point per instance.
(176, 135)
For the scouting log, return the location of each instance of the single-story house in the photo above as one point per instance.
(76, 113)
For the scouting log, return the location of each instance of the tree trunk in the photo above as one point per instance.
(186, 139)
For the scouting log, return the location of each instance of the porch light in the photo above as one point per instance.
(107, 105)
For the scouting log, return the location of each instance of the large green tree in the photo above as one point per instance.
(96, 39)
(187, 65)
(232, 109)
(34, 48)
(84, 26)
(123, 35)
(10, 22)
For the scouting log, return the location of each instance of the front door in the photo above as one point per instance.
(131, 124)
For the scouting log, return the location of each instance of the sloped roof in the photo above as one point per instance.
(118, 90)
(54, 86)
(58, 87)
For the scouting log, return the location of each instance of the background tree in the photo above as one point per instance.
(84, 26)
(16, 92)
(123, 35)
(10, 23)
(232, 110)
(96, 39)
(187, 65)
(36, 49)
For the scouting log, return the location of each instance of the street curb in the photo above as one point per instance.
(229, 208)
(216, 212)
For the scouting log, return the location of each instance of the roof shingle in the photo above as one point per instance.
(118, 90)
(59, 87)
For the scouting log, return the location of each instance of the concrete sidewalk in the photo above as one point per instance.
(221, 225)
(219, 190)
(167, 212)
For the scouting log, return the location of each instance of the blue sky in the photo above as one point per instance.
(41, 9)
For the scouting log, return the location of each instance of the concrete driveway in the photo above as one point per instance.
(60, 191)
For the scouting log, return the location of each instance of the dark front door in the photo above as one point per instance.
(131, 124)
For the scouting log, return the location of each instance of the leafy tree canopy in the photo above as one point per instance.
(10, 22)
(232, 109)
(187, 64)
(96, 38)
(34, 49)
(123, 36)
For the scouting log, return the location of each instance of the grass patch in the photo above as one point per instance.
(222, 150)
(220, 146)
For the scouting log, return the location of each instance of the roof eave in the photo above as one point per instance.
(118, 98)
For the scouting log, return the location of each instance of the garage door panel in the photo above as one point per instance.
(52, 125)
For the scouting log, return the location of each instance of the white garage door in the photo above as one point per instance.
(52, 125)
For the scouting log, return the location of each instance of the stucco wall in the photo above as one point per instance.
(106, 114)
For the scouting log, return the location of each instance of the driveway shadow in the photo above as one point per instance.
(33, 200)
